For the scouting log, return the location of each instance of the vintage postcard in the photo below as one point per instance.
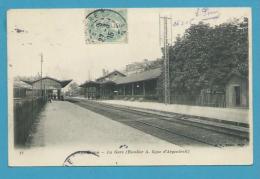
(130, 86)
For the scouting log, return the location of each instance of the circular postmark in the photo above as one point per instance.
(106, 25)
(80, 158)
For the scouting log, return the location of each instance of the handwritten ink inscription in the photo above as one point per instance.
(201, 14)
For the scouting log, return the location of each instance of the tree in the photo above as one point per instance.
(205, 55)
(27, 78)
(74, 89)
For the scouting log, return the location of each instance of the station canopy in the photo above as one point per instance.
(48, 83)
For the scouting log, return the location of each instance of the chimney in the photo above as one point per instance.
(103, 72)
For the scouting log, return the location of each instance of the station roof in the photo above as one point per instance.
(143, 76)
(107, 82)
(62, 82)
(22, 85)
(88, 83)
(234, 73)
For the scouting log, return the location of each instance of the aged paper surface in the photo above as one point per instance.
(108, 87)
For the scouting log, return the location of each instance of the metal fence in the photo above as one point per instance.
(25, 113)
(204, 99)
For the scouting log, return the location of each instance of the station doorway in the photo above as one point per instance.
(237, 96)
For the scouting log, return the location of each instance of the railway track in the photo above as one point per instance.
(169, 128)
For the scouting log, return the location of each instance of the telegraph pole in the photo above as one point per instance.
(167, 35)
(41, 55)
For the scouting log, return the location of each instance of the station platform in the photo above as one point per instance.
(63, 128)
(62, 123)
(237, 116)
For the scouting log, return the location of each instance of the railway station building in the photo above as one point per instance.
(144, 86)
(116, 85)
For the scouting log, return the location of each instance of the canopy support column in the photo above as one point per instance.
(144, 88)
(132, 89)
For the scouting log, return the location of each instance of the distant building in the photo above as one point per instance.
(138, 67)
(47, 86)
(110, 76)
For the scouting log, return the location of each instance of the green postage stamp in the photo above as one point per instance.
(106, 26)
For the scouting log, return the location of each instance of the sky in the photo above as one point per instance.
(59, 35)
